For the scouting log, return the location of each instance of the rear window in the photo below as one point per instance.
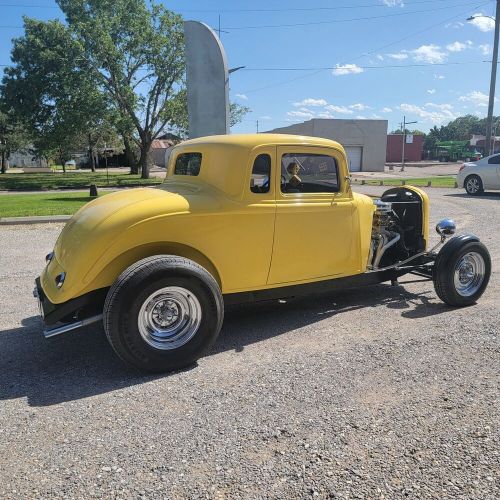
(188, 164)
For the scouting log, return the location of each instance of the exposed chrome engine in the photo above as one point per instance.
(386, 232)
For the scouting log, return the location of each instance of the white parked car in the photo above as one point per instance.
(476, 176)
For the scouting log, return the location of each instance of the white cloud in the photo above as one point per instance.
(300, 114)
(439, 77)
(394, 3)
(359, 107)
(346, 69)
(485, 49)
(475, 97)
(438, 115)
(431, 91)
(429, 53)
(458, 46)
(398, 56)
(386, 110)
(324, 114)
(377, 117)
(380, 57)
(243, 97)
(445, 107)
(454, 24)
(265, 117)
(311, 102)
(482, 23)
(339, 109)
(360, 117)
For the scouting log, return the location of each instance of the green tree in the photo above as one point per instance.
(236, 113)
(136, 54)
(51, 89)
(13, 137)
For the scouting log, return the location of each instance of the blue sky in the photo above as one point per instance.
(342, 54)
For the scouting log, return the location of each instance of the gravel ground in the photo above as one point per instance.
(376, 393)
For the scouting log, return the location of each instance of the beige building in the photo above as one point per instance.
(364, 141)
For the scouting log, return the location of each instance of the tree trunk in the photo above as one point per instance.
(130, 159)
(91, 153)
(63, 162)
(4, 163)
(144, 160)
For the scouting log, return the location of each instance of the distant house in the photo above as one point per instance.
(161, 147)
(478, 142)
(26, 159)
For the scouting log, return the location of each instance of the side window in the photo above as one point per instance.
(494, 160)
(188, 164)
(309, 173)
(261, 174)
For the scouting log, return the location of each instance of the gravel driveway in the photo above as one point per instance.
(377, 393)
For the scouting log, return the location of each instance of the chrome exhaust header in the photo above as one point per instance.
(52, 332)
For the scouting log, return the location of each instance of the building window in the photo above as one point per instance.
(261, 174)
(309, 173)
(188, 164)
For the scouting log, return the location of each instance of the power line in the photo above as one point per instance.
(381, 66)
(305, 9)
(28, 6)
(336, 21)
(284, 82)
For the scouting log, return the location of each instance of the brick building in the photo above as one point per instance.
(413, 148)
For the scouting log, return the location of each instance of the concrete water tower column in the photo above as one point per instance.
(207, 81)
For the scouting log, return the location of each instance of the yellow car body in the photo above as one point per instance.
(239, 218)
(248, 241)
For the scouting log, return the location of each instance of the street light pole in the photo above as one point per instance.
(491, 102)
(404, 142)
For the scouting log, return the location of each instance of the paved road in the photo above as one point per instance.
(381, 392)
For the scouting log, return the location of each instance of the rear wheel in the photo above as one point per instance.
(473, 185)
(163, 313)
(461, 278)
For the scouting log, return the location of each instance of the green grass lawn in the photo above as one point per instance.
(70, 180)
(23, 205)
(437, 181)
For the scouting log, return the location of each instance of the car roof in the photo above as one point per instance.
(253, 140)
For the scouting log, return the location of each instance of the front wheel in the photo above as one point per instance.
(461, 278)
(163, 313)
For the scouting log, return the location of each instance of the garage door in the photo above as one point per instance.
(354, 154)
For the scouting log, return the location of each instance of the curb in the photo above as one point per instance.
(41, 219)
(378, 182)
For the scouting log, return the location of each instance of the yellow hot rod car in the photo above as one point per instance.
(239, 218)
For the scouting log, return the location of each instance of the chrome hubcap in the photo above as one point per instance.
(469, 274)
(473, 185)
(169, 318)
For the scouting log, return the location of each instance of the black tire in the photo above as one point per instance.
(444, 274)
(473, 185)
(131, 292)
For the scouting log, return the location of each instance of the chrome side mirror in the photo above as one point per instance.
(446, 227)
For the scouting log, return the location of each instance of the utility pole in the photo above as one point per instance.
(403, 125)
(491, 102)
(493, 79)
(257, 124)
